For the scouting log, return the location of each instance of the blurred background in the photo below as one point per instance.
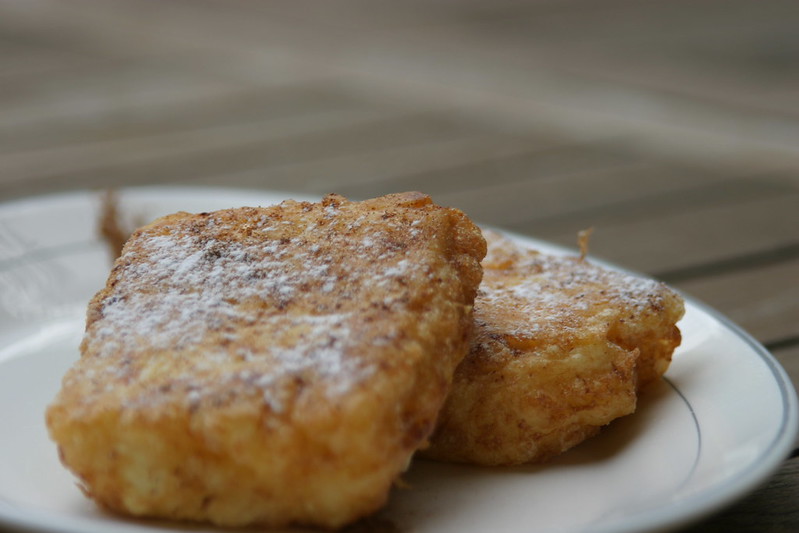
(540, 116)
(670, 126)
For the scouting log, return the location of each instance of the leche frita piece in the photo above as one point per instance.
(269, 366)
(561, 348)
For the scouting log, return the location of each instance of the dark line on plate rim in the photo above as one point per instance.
(718, 497)
(703, 503)
(698, 428)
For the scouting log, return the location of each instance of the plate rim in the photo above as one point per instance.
(760, 469)
(677, 514)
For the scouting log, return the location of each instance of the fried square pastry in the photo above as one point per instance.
(562, 348)
(271, 366)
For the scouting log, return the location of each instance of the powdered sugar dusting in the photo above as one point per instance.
(198, 289)
(549, 294)
(175, 288)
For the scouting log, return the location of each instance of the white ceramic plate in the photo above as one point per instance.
(718, 426)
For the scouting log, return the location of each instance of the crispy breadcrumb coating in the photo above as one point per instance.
(272, 366)
(562, 348)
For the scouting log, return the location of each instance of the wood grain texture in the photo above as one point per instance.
(658, 243)
(751, 298)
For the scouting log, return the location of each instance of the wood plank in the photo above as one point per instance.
(29, 59)
(497, 73)
(658, 243)
(764, 301)
(379, 171)
(571, 198)
(657, 44)
(168, 157)
(82, 158)
(106, 92)
(672, 188)
(508, 56)
(198, 108)
(651, 43)
(474, 177)
(186, 156)
(22, 63)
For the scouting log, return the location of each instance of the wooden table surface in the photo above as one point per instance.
(671, 127)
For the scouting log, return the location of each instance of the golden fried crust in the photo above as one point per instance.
(273, 365)
(561, 349)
